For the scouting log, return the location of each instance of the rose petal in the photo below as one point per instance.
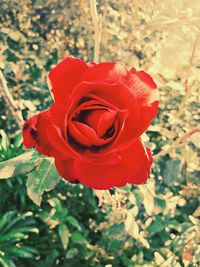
(56, 130)
(144, 88)
(137, 160)
(101, 120)
(143, 172)
(99, 176)
(77, 135)
(58, 116)
(65, 76)
(66, 169)
(35, 134)
(106, 72)
(29, 130)
(56, 138)
(133, 168)
(90, 134)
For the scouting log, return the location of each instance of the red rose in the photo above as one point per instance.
(93, 127)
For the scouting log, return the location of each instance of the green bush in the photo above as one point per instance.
(155, 224)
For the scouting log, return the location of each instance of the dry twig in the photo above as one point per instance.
(188, 90)
(103, 195)
(176, 143)
(10, 101)
(97, 30)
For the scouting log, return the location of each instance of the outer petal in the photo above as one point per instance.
(65, 76)
(56, 130)
(144, 88)
(106, 72)
(137, 161)
(35, 135)
(66, 169)
(99, 176)
(133, 168)
(45, 132)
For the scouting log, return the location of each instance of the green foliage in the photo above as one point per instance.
(14, 230)
(152, 225)
(64, 235)
(17, 166)
(44, 178)
(171, 171)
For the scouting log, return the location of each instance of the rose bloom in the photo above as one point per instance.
(93, 128)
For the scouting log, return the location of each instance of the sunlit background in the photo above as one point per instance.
(155, 224)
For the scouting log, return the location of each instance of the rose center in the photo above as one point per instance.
(99, 120)
(93, 127)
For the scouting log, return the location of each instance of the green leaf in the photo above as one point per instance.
(131, 225)
(16, 166)
(157, 226)
(78, 238)
(15, 221)
(6, 218)
(195, 139)
(6, 262)
(73, 221)
(22, 251)
(64, 235)
(44, 178)
(4, 141)
(14, 35)
(18, 141)
(71, 253)
(171, 171)
(14, 236)
(50, 260)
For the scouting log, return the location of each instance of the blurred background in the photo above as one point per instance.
(155, 224)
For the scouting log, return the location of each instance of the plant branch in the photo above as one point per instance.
(10, 101)
(97, 29)
(176, 143)
(105, 197)
(187, 87)
(182, 106)
(191, 60)
(103, 194)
